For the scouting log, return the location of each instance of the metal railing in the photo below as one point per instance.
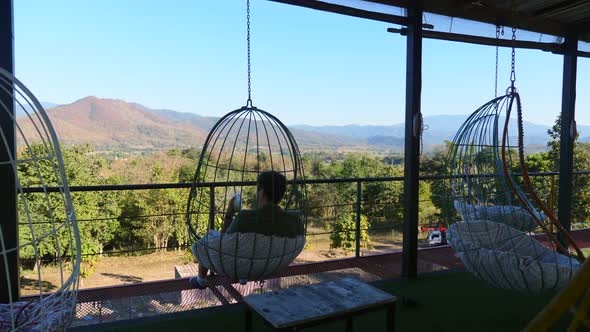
(356, 205)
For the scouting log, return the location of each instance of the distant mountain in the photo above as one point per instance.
(20, 111)
(116, 125)
(385, 140)
(437, 129)
(305, 139)
(47, 105)
(203, 122)
(584, 131)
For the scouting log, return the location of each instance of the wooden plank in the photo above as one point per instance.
(302, 305)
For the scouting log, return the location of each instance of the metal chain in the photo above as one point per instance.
(249, 101)
(513, 65)
(497, 51)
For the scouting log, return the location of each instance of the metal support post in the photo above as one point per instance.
(412, 140)
(9, 273)
(568, 132)
(358, 219)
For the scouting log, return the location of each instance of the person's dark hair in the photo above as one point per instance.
(273, 184)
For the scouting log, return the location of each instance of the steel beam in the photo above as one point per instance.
(345, 10)
(9, 273)
(412, 140)
(561, 7)
(463, 38)
(487, 12)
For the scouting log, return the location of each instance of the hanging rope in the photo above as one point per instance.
(249, 101)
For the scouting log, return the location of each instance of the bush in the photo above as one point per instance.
(343, 232)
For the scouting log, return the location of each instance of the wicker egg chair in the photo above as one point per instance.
(48, 239)
(242, 145)
(500, 211)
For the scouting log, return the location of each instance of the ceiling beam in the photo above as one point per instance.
(584, 29)
(560, 7)
(345, 10)
(470, 39)
(480, 11)
(485, 12)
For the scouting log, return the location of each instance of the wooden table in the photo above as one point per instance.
(300, 307)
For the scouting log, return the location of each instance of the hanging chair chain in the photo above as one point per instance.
(499, 32)
(497, 48)
(249, 101)
(513, 64)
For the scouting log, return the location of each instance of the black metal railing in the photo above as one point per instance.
(355, 205)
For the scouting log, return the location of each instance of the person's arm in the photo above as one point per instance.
(229, 215)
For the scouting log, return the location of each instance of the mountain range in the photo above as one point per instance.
(439, 128)
(116, 125)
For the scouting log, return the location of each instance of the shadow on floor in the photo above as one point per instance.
(30, 286)
(123, 277)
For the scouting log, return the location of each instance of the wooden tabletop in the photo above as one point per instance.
(305, 304)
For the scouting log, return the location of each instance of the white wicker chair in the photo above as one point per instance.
(240, 146)
(48, 229)
(508, 258)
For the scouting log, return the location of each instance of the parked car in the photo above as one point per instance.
(437, 237)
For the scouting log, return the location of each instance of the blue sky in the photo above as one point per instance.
(309, 67)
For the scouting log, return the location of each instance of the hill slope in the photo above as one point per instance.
(115, 125)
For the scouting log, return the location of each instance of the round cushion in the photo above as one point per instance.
(508, 258)
(249, 256)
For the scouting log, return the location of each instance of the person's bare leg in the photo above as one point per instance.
(200, 281)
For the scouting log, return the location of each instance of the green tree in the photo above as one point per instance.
(96, 211)
(343, 232)
(544, 186)
(427, 211)
(154, 217)
(581, 183)
(441, 192)
(322, 198)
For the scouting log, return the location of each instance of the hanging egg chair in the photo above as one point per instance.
(48, 241)
(247, 208)
(243, 145)
(499, 208)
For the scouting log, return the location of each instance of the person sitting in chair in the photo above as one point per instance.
(267, 219)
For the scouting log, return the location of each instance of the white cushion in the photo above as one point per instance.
(512, 216)
(508, 258)
(248, 256)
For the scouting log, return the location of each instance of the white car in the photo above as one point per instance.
(435, 238)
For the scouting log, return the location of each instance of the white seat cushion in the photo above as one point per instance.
(248, 256)
(508, 258)
(513, 216)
